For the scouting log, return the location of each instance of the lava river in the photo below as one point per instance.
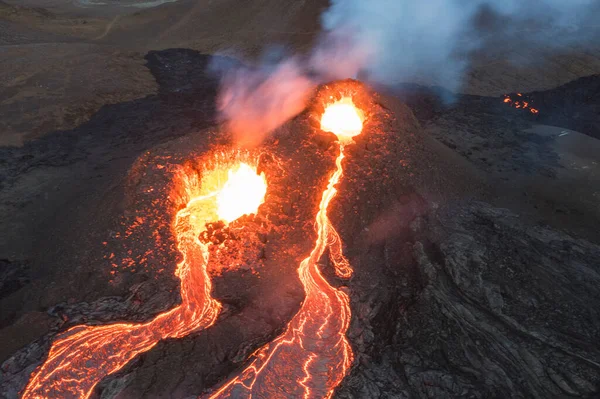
(313, 355)
(83, 355)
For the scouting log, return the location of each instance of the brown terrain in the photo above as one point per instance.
(476, 249)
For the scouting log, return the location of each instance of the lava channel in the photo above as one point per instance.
(313, 355)
(83, 355)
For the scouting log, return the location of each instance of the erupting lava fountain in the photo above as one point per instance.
(83, 355)
(313, 355)
(343, 119)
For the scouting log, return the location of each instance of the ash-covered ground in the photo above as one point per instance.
(471, 226)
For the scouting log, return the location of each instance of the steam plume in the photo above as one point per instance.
(392, 41)
(254, 102)
(433, 39)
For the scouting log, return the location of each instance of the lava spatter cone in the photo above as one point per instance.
(313, 355)
(83, 355)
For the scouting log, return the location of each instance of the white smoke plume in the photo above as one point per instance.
(392, 41)
(254, 102)
(433, 38)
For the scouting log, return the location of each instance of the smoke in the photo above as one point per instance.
(408, 38)
(432, 40)
(254, 102)
(392, 41)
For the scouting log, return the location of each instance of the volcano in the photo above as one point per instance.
(387, 241)
(252, 259)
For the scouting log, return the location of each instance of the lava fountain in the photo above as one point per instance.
(343, 119)
(313, 355)
(83, 355)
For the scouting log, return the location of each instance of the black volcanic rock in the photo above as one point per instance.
(455, 297)
(540, 165)
(574, 105)
(485, 306)
(13, 276)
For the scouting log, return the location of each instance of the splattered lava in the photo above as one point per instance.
(83, 355)
(313, 355)
(520, 103)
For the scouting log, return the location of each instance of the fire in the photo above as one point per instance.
(83, 355)
(243, 183)
(313, 355)
(343, 119)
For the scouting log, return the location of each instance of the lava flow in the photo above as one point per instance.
(83, 355)
(313, 355)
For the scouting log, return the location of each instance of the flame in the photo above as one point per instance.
(343, 119)
(83, 355)
(243, 183)
(313, 355)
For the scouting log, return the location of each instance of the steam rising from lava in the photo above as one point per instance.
(392, 41)
(432, 40)
(254, 102)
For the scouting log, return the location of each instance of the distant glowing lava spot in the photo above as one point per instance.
(520, 103)
(243, 193)
(343, 119)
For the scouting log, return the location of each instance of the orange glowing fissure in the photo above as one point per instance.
(313, 355)
(83, 355)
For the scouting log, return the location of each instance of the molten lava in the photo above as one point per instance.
(243, 183)
(343, 119)
(83, 355)
(313, 355)
(520, 103)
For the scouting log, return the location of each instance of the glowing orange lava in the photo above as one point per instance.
(83, 355)
(313, 355)
(242, 194)
(520, 103)
(343, 119)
